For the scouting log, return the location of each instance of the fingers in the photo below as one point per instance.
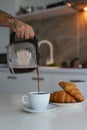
(29, 33)
(22, 29)
(25, 32)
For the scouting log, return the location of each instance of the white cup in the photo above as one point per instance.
(37, 101)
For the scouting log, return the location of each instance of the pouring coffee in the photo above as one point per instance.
(22, 55)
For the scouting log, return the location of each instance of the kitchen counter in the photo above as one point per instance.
(49, 79)
(63, 118)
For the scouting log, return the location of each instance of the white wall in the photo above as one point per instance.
(9, 7)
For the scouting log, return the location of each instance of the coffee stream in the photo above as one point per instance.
(37, 70)
(27, 70)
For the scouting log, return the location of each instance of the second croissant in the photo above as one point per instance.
(61, 97)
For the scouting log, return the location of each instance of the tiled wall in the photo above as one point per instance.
(68, 35)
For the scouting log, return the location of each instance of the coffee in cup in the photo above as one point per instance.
(37, 101)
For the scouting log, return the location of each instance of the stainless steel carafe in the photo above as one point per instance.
(22, 55)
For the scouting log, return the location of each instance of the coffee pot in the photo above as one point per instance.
(22, 55)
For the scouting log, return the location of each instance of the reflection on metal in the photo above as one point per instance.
(51, 59)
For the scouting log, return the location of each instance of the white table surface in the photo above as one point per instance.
(63, 118)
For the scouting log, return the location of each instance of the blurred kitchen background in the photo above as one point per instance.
(61, 30)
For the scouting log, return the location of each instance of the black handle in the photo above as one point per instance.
(35, 78)
(77, 80)
(14, 39)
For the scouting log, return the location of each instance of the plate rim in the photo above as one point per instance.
(68, 104)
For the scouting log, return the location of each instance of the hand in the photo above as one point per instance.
(22, 30)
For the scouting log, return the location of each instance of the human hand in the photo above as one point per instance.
(22, 29)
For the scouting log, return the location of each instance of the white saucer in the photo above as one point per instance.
(50, 107)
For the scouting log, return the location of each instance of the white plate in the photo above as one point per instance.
(50, 107)
(68, 104)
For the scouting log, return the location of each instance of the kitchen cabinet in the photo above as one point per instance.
(49, 79)
(47, 13)
(11, 84)
(45, 80)
(78, 78)
(22, 83)
(55, 76)
(36, 4)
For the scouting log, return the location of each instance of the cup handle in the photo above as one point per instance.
(25, 99)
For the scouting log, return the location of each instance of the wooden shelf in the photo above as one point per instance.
(47, 13)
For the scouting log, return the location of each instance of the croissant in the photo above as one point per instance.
(72, 89)
(61, 97)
